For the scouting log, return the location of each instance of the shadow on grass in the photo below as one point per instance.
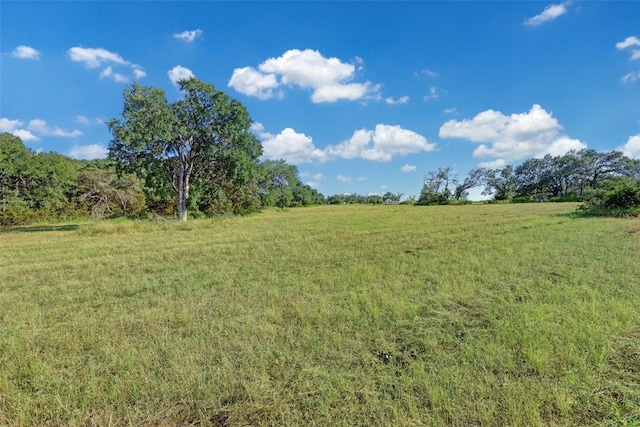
(37, 228)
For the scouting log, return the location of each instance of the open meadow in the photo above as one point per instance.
(493, 315)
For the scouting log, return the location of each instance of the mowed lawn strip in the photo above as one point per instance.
(333, 315)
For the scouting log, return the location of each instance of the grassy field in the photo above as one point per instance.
(490, 315)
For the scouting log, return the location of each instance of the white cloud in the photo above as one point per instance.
(87, 121)
(329, 78)
(139, 72)
(93, 58)
(344, 178)
(381, 144)
(401, 100)
(350, 92)
(25, 135)
(87, 152)
(188, 36)
(512, 137)
(433, 94)
(83, 119)
(494, 164)
(632, 148)
(628, 42)
(631, 77)
(408, 168)
(293, 147)
(8, 125)
(317, 176)
(14, 127)
(450, 111)
(251, 82)
(550, 13)
(40, 126)
(429, 73)
(25, 52)
(96, 57)
(108, 72)
(178, 73)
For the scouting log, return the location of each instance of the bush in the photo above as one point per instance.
(620, 198)
(17, 215)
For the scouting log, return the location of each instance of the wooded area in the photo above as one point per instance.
(198, 156)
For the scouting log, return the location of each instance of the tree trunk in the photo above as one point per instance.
(183, 191)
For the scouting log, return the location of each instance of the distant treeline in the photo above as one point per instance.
(50, 186)
(571, 176)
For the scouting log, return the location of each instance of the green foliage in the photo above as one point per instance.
(200, 139)
(105, 194)
(617, 197)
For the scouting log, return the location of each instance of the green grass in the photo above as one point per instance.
(338, 315)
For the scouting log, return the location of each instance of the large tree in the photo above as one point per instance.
(203, 132)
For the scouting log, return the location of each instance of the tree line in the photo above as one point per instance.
(573, 176)
(197, 156)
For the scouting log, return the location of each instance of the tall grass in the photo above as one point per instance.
(335, 315)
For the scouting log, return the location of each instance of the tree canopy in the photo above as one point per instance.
(173, 144)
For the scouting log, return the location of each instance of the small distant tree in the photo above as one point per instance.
(437, 187)
(475, 178)
(390, 197)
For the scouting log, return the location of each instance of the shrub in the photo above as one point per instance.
(620, 198)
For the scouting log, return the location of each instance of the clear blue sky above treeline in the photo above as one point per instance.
(364, 97)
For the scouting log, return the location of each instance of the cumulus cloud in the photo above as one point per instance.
(40, 127)
(344, 178)
(15, 127)
(25, 52)
(381, 144)
(178, 73)
(330, 79)
(401, 100)
(87, 152)
(408, 168)
(632, 148)
(188, 36)
(254, 83)
(550, 13)
(97, 57)
(291, 146)
(33, 128)
(516, 136)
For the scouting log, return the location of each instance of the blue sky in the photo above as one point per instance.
(364, 97)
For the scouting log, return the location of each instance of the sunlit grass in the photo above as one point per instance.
(349, 315)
